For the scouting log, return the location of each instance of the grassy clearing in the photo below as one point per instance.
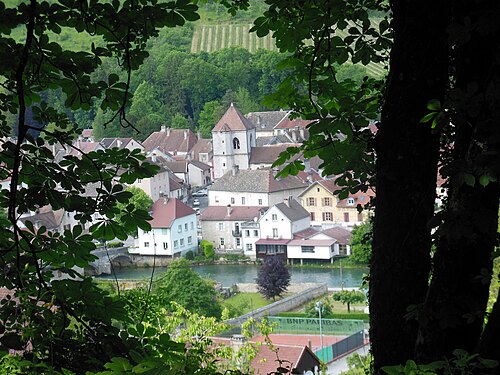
(246, 302)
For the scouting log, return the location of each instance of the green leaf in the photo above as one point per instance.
(434, 105)
(469, 179)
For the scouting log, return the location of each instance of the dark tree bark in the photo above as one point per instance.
(454, 310)
(406, 170)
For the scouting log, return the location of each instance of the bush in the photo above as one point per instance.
(115, 244)
(208, 249)
(312, 312)
(189, 255)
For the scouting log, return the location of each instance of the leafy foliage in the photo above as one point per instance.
(312, 311)
(273, 278)
(185, 287)
(208, 249)
(361, 243)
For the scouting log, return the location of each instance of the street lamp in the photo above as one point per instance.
(319, 308)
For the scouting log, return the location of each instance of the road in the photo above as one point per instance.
(340, 365)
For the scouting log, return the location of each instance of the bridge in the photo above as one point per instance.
(116, 256)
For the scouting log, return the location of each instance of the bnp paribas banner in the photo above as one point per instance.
(313, 325)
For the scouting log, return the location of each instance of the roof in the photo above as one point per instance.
(256, 181)
(232, 120)
(237, 213)
(171, 140)
(342, 235)
(87, 133)
(84, 147)
(200, 165)
(203, 146)
(176, 166)
(269, 154)
(166, 210)
(266, 121)
(306, 233)
(362, 198)
(263, 241)
(173, 183)
(116, 142)
(293, 210)
(266, 360)
(287, 123)
(47, 217)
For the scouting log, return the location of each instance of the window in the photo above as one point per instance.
(146, 231)
(242, 200)
(221, 241)
(260, 202)
(139, 180)
(236, 143)
(342, 249)
(312, 216)
(350, 201)
(190, 240)
(307, 249)
(256, 233)
(232, 200)
(327, 201)
(317, 189)
(176, 244)
(221, 226)
(274, 217)
(311, 201)
(275, 232)
(182, 241)
(247, 233)
(238, 242)
(146, 244)
(327, 216)
(216, 199)
(179, 228)
(67, 226)
(192, 225)
(185, 227)
(346, 217)
(249, 247)
(165, 245)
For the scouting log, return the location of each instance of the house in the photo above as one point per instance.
(315, 244)
(202, 150)
(128, 143)
(173, 230)
(222, 226)
(278, 226)
(199, 173)
(156, 186)
(80, 148)
(264, 157)
(233, 138)
(253, 188)
(172, 141)
(296, 128)
(326, 209)
(266, 121)
(53, 220)
(179, 169)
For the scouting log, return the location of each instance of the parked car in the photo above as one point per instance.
(200, 193)
(196, 202)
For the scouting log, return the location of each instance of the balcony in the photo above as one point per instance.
(236, 233)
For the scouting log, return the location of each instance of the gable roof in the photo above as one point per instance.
(170, 140)
(47, 217)
(293, 210)
(176, 166)
(116, 142)
(203, 146)
(343, 236)
(266, 121)
(256, 181)
(236, 213)
(200, 165)
(301, 358)
(287, 123)
(166, 210)
(269, 154)
(232, 120)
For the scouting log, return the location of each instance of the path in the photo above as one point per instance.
(340, 365)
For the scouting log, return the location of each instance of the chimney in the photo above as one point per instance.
(168, 131)
(165, 200)
(287, 201)
(119, 143)
(234, 170)
(198, 134)
(229, 210)
(162, 128)
(153, 158)
(294, 135)
(185, 134)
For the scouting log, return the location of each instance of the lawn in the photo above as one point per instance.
(243, 303)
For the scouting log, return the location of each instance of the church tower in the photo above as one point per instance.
(233, 138)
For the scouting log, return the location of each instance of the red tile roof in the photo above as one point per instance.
(342, 235)
(269, 154)
(166, 210)
(286, 123)
(171, 140)
(233, 119)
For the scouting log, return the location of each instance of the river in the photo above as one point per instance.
(229, 275)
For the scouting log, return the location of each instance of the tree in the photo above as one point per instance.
(347, 297)
(138, 200)
(70, 325)
(207, 249)
(180, 122)
(184, 286)
(312, 311)
(361, 243)
(437, 109)
(209, 116)
(273, 278)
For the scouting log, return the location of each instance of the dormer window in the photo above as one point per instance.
(350, 201)
(236, 143)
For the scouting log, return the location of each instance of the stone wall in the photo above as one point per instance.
(286, 304)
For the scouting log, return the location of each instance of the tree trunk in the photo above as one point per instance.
(490, 340)
(406, 170)
(453, 313)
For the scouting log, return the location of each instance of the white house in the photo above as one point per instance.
(223, 226)
(278, 225)
(128, 143)
(319, 245)
(253, 188)
(173, 230)
(156, 186)
(199, 173)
